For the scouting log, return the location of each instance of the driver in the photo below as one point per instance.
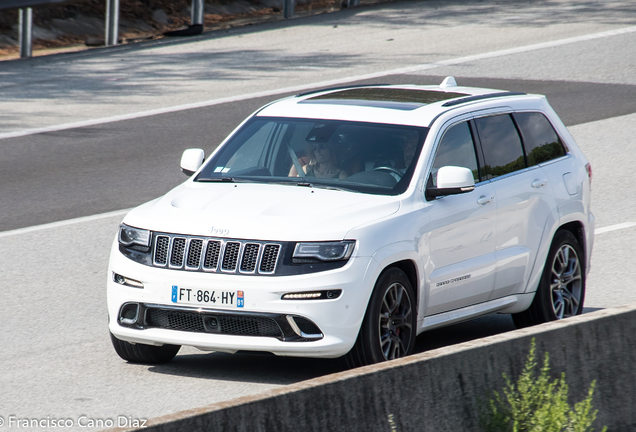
(408, 149)
(323, 162)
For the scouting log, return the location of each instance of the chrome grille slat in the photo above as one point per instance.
(230, 256)
(162, 244)
(269, 259)
(212, 254)
(250, 257)
(178, 248)
(195, 248)
(183, 252)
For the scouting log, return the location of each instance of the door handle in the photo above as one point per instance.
(483, 200)
(537, 183)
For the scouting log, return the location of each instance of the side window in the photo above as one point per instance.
(539, 137)
(501, 144)
(456, 149)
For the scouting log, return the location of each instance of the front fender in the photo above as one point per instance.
(405, 251)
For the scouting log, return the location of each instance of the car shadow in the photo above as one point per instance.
(264, 368)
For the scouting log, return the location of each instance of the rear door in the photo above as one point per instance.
(524, 197)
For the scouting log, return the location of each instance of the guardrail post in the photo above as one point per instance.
(26, 32)
(112, 22)
(197, 12)
(288, 8)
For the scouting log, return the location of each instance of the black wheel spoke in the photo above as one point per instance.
(395, 322)
(566, 282)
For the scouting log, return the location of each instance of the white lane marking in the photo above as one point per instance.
(68, 222)
(616, 227)
(63, 223)
(321, 84)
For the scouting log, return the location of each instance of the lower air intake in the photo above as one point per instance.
(220, 324)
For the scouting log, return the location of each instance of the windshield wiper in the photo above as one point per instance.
(324, 186)
(218, 179)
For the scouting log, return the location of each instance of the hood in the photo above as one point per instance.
(261, 211)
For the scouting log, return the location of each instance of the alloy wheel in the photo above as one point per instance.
(395, 322)
(566, 282)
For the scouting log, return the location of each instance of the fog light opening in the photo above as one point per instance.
(129, 314)
(123, 280)
(304, 328)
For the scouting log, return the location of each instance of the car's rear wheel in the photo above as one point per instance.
(389, 327)
(140, 353)
(561, 291)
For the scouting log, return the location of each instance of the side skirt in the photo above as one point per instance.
(510, 304)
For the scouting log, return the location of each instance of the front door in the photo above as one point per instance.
(462, 231)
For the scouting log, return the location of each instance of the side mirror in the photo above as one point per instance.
(452, 180)
(192, 160)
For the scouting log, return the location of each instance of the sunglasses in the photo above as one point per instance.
(320, 146)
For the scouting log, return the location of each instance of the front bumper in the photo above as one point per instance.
(265, 322)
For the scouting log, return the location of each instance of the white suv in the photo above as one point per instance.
(344, 222)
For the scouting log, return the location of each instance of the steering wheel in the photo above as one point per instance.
(390, 170)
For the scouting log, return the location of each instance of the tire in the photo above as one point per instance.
(389, 327)
(561, 290)
(140, 353)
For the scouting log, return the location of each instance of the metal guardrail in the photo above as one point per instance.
(112, 19)
(26, 21)
(8, 4)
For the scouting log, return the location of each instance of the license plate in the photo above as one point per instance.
(203, 297)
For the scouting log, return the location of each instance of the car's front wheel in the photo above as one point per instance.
(389, 327)
(140, 353)
(561, 290)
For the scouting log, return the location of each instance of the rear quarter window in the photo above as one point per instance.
(541, 141)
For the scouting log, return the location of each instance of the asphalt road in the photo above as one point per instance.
(56, 358)
(96, 169)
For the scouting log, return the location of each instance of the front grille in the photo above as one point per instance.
(194, 253)
(230, 256)
(223, 324)
(250, 256)
(180, 252)
(270, 256)
(161, 250)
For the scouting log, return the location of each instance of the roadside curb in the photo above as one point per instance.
(441, 389)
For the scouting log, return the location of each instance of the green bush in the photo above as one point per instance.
(538, 404)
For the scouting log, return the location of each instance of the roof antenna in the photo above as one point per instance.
(449, 81)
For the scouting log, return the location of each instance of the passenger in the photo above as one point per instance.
(322, 162)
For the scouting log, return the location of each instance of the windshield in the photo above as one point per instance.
(361, 157)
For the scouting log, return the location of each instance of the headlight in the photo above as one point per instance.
(324, 251)
(129, 236)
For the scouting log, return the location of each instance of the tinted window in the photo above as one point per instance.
(501, 144)
(539, 137)
(456, 149)
(351, 156)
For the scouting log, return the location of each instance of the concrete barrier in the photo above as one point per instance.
(440, 390)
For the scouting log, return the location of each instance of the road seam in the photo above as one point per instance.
(120, 213)
(328, 83)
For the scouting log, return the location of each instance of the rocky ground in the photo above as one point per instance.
(79, 24)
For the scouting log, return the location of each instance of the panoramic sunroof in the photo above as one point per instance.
(394, 98)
